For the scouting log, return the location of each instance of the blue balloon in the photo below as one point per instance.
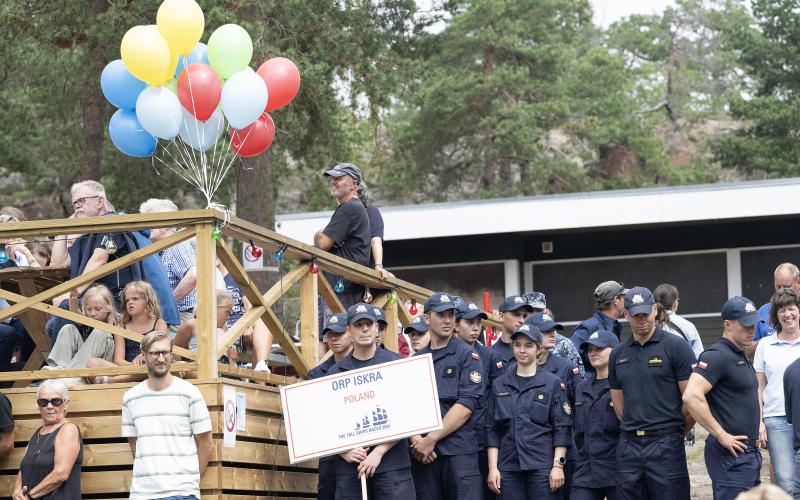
(198, 54)
(129, 136)
(119, 86)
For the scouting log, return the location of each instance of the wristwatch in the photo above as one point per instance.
(559, 461)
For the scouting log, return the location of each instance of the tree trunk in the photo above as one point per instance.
(93, 122)
(256, 192)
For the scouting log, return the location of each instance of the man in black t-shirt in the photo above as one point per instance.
(722, 396)
(6, 427)
(347, 235)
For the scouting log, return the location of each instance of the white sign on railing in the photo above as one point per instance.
(361, 407)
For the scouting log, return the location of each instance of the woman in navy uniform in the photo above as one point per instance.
(596, 428)
(387, 466)
(529, 426)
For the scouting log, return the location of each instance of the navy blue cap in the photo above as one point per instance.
(380, 317)
(536, 300)
(336, 323)
(341, 169)
(601, 338)
(469, 310)
(440, 301)
(742, 310)
(513, 303)
(360, 311)
(544, 322)
(529, 331)
(419, 325)
(639, 300)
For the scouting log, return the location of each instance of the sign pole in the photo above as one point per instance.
(364, 487)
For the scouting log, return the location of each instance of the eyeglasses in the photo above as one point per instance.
(158, 354)
(81, 201)
(56, 402)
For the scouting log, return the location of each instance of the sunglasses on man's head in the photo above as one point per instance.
(56, 402)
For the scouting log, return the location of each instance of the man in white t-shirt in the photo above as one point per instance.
(168, 427)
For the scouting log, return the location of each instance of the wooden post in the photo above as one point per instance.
(309, 319)
(390, 340)
(206, 310)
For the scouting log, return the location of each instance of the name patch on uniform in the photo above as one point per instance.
(475, 377)
(655, 360)
(503, 394)
(739, 363)
(578, 403)
(449, 372)
(541, 397)
(622, 360)
(567, 408)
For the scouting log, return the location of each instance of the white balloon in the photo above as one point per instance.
(244, 98)
(202, 135)
(160, 112)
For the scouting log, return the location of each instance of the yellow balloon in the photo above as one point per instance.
(181, 22)
(146, 54)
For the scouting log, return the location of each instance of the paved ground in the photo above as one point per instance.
(701, 483)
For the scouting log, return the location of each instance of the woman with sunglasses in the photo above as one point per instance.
(51, 466)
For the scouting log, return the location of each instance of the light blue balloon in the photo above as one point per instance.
(198, 54)
(159, 111)
(202, 135)
(129, 136)
(244, 98)
(119, 86)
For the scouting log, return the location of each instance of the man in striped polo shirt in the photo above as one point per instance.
(168, 427)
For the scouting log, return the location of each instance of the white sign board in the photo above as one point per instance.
(251, 262)
(361, 407)
(229, 416)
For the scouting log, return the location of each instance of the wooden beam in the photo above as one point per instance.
(381, 300)
(329, 296)
(35, 361)
(309, 319)
(390, 339)
(270, 378)
(93, 275)
(286, 282)
(206, 310)
(85, 320)
(270, 319)
(89, 372)
(402, 313)
(33, 321)
(239, 328)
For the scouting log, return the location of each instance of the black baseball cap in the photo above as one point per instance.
(469, 310)
(529, 331)
(341, 169)
(639, 300)
(601, 338)
(514, 302)
(440, 302)
(544, 322)
(742, 310)
(419, 325)
(360, 311)
(337, 323)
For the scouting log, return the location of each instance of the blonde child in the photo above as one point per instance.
(187, 333)
(141, 314)
(76, 344)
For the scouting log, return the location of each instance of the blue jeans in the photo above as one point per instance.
(11, 334)
(780, 442)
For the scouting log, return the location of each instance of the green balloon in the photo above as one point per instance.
(229, 50)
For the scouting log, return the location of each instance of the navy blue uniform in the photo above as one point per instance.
(493, 368)
(733, 401)
(455, 473)
(326, 483)
(597, 321)
(570, 375)
(504, 351)
(528, 418)
(651, 460)
(392, 479)
(596, 433)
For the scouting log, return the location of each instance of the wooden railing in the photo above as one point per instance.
(201, 224)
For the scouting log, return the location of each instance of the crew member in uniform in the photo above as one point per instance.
(530, 423)
(339, 344)
(418, 334)
(722, 396)
(596, 430)
(513, 312)
(468, 328)
(609, 299)
(445, 463)
(387, 466)
(648, 373)
(567, 371)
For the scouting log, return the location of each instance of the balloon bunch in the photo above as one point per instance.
(169, 86)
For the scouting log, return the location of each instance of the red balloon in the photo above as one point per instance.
(255, 138)
(282, 79)
(199, 90)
